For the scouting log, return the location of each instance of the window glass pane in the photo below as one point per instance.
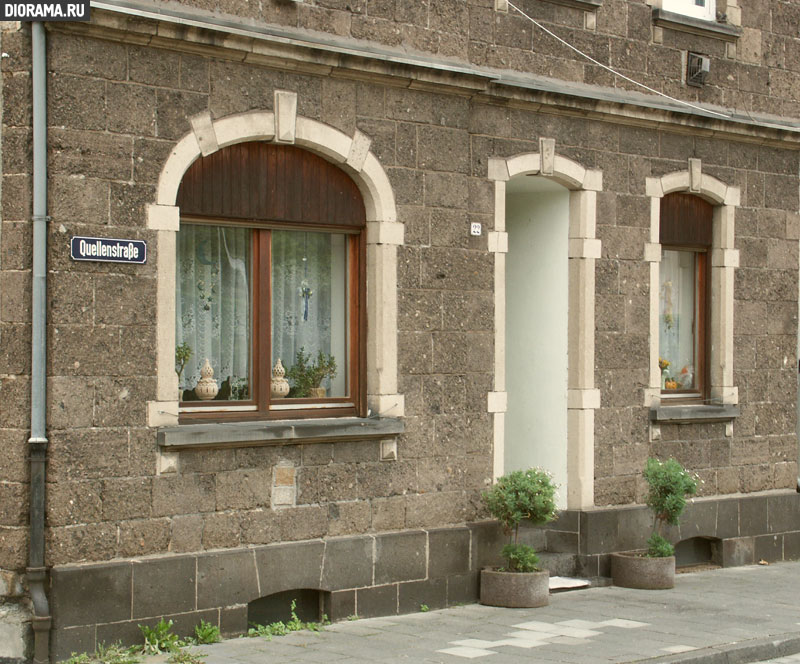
(677, 320)
(310, 309)
(703, 9)
(213, 317)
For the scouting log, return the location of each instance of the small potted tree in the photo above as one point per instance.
(654, 569)
(530, 495)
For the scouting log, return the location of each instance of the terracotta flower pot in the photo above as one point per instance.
(633, 570)
(515, 590)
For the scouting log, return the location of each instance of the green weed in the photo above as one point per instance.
(280, 628)
(205, 632)
(185, 657)
(83, 658)
(159, 639)
(113, 654)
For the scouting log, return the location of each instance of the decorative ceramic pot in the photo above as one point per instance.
(317, 392)
(515, 590)
(207, 387)
(635, 570)
(279, 386)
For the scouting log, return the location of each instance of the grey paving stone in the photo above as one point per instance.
(746, 609)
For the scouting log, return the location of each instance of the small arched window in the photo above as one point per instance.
(270, 274)
(686, 240)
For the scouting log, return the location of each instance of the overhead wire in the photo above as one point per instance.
(614, 71)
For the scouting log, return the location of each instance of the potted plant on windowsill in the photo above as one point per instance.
(654, 569)
(529, 495)
(182, 354)
(307, 375)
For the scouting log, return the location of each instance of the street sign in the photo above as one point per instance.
(107, 250)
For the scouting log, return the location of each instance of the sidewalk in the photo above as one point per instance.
(739, 614)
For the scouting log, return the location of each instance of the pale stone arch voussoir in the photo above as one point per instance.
(384, 234)
(584, 249)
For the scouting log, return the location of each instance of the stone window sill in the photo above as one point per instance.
(278, 432)
(695, 26)
(586, 5)
(683, 413)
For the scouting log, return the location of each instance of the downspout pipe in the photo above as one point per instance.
(37, 443)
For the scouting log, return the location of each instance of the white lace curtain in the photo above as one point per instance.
(309, 303)
(677, 321)
(213, 303)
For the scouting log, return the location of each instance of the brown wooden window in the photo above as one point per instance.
(686, 237)
(270, 279)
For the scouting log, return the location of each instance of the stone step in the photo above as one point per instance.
(560, 584)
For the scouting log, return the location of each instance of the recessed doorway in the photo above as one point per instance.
(537, 296)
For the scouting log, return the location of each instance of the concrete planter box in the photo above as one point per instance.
(515, 590)
(633, 570)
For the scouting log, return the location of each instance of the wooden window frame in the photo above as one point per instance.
(702, 279)
(693, 232)
(265, 187)
(261, 405)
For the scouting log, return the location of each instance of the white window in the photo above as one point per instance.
(702, 9)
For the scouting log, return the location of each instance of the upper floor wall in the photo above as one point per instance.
(754, 50)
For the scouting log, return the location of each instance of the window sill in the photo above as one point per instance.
(586, 5)
(279, 432)
(683, 413)
(695, 26)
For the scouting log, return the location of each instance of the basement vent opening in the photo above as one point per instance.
(698, 553)
(310, 604)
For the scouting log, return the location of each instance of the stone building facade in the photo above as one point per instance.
(537, 339)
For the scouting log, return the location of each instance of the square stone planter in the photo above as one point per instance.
(515, 590)
(634, 570)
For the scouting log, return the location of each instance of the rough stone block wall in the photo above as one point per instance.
(743, 530)
(373, 575)
(435, 149)
(115, 112)
(759, 71)
(15, 304)
(761, 453)
(105, 499)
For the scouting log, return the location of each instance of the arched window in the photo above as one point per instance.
(692, 255)
(270, 273)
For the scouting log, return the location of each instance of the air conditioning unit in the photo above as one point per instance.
(697, 68)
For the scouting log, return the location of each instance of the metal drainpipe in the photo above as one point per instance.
(37, 443)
